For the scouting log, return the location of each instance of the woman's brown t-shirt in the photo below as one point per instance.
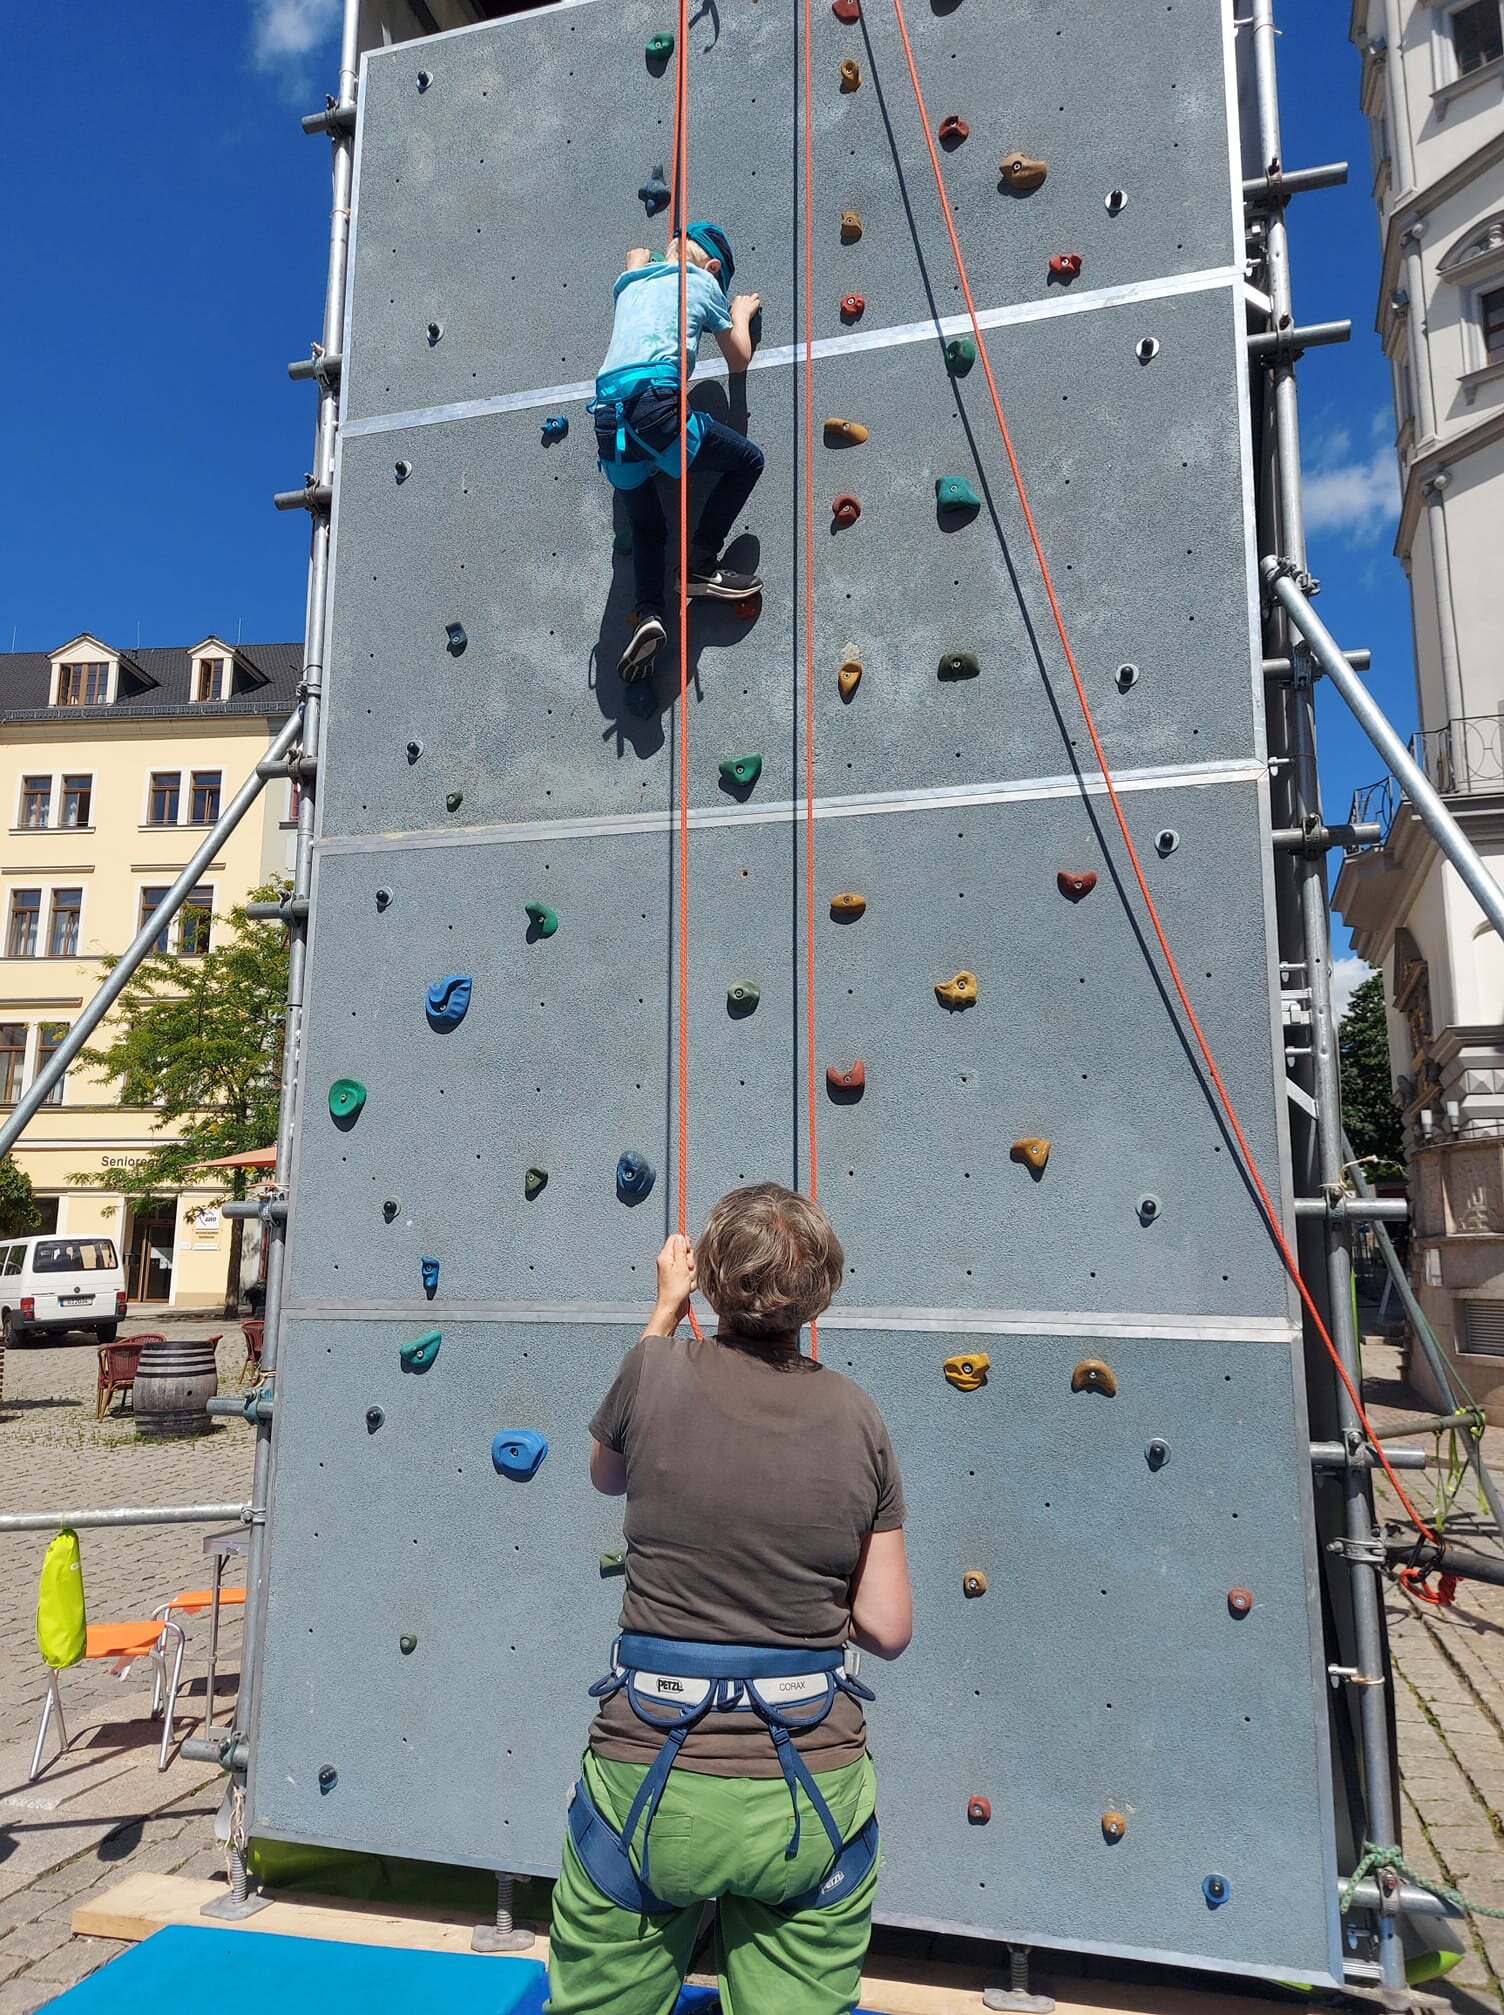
(752, 1480)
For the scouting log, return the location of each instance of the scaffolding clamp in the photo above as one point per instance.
(335, 118)
(1278, 568)
(1360, 1552)
(314, 496)
(1286, 341)
(323, 366)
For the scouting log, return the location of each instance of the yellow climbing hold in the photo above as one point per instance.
(969, 1370)
(851, 75)
(960, 991)
(851, 227)
(847, 904)
(844, 433)
(1035, 1152)
(849, 675)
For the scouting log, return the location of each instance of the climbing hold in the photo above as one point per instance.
(953, 130)
(635, 1175)
(967, 1371)
(435, 334)
(407, 1644)
(845, 509)
(614, 1563)
(844, 433)
(960, 355)
(1116, 201)
(1114, 1826)
(1021, 172)
(853, 305)
(742, 997)
(455, 632)
(1156, 1453)
(374, 1418)
(978, 1811)
(541, 918)
(973, 1583)
(654, 193)
(555, 427)
(1035, 1152)
(1065, 265)
(517, 1452)
(848, 904)
(846, 10)
(447, 1001)
(660, 48)
(346, 1097)
(747, 608)
(1126, 677)
(954, 493)
(743, 771)
(1075, 887)
(328, 1777)
(383, 899)
(852, 1080)
(1146, 349)
(622, 543)
(421, 1352)
(1092, 1375)
(423, 79)
(1216, 1889)
(430, 1268)
(960, 991)
(851, 75)
(453, 800)
(851, 227)
(1148, 1208)
(390, 1210)
(534, 1183)
(959, 665)
(849, 673)
(402, 470)
(414, 750)
(1166, 840)
(1239, 1601)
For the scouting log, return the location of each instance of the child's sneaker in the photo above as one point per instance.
(636, 661)
(721, 583)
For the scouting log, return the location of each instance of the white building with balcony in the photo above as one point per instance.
(1433, 90)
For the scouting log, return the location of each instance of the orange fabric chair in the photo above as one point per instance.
(255, 1335)
(155, 1638)
(118, 1364)
(192, 1600)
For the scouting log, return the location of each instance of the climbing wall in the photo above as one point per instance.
(1110, 1730)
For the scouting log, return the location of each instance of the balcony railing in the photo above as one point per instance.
(1463, 759)
(1375, 804)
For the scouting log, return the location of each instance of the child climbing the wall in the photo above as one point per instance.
(636, 410)
(728, 1759)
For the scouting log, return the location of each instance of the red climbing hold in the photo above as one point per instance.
(846, 10)
(1075, 888)
(852, 306)
(953, 127)
(845, 510)
(978, 1811)
(1065, 265)
(839, 1080)
(1239, 1601)
(748, 608)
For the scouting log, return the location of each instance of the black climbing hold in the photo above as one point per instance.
(435, 332)
(960, 355)
(374, 1418)
(1156, 1453)
(328, 1777)
(555, 427)
(517, 1452)
(383, 899)
(1146, 349)
(430, 1268)
(453, 800)
(1148, 1208)
(654, 193)
(1116, 201)
(390, 1210)
(534, 1183)
(414, 750)
(421, 1352)
(407, 1644)
(402, 470)
(448, 1000)
(1126, 677)
(635, 1176)
(424, 79)
(1166, 840)
(959, 665)
(455, 632)
(742, 997)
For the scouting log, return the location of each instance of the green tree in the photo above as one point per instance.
(200, 1039)
(1369, 1112)
(18, 1203)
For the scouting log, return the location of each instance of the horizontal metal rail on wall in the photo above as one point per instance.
(127, 1514)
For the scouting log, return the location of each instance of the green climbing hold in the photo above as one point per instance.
(742, 770)
(622, 543)
(407, 1643)
(454, 800)
(421, 1352)
(960, 355)
(660, 48)
(742, 997)
(613, 1563)
(346, 1097)
(959, 665)
(534, 1183)
(954, 493)
(543, 920)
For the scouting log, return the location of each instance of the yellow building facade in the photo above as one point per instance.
(113, 765)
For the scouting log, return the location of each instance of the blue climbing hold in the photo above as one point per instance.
(1216, 1889)
(517, 1452)
(448, 1000)
(421, 1352)
(555, 427)
(654, 195)
(635, 1176)
(430, 1277)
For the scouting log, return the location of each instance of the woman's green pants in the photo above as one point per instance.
(721, 1838)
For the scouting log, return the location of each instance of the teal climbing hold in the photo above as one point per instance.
(346, 1097)
(534, 1183)
(960, 355)
(543, 920)
(622, 543)
(954, 493)
(742, 770)
(742, 997)
(421, 1352)
(613, 1563)
(660, 48)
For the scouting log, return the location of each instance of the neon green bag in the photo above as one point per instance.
(62, 1632)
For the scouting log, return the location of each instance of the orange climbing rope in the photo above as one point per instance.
(1292, 1265)
(809, 618)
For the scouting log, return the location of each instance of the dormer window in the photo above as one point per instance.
(209, 679)
(83, 685)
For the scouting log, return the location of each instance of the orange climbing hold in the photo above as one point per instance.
(960, 991)
(846, 10)
(1033, 1151)
(953, 129)
(1114, 1826)
(1075, 888)
(978, 1811)
(1092, 1375)
(849, 676)
(844, 433)
(1021, 172)
(845, 509)
(851, 227)
(973, 1583)
(1239, 1601)
(852, 1079)
(851, 75)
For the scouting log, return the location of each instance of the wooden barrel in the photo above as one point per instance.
(174, 1384)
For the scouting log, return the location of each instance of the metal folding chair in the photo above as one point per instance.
(152, 1638)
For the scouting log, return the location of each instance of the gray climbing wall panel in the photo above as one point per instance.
(1103, 1670)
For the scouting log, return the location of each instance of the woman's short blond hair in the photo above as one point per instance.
(768, 1260)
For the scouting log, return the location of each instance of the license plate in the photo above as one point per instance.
(74, 1300)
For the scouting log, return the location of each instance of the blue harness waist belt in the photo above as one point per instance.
(672, 1685)
(613, 393)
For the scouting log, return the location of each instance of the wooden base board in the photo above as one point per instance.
(142, 1904)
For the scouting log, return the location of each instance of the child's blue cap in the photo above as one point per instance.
(714, 243)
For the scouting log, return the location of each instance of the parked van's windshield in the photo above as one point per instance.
(73, 1255)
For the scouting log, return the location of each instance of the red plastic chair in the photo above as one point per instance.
(255, 1335)
(118, 1364)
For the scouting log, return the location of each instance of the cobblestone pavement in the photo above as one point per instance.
(122, 1816)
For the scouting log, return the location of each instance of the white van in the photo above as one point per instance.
(60, 1283)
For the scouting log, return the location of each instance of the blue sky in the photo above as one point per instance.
(166, 259)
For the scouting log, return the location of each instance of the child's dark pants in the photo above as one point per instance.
(723, 453)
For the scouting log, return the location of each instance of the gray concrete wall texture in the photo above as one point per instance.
(1103, 1670)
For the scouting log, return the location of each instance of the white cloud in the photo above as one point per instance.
(1348, 974)
(1357, 497)
(283, 31)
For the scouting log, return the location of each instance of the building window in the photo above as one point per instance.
(12, 1056)
(1491, 325)
(162, 803)
(83, 685)
(62, 938)
(1480, 1328)
(25, 915)
(209, 680)
(205, 798)
(49, 1037)
(1477, 35)
(78, 800)
(149, 900)
(36, 801)
(191, 925)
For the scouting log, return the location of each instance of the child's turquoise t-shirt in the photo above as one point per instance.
(646, 329)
